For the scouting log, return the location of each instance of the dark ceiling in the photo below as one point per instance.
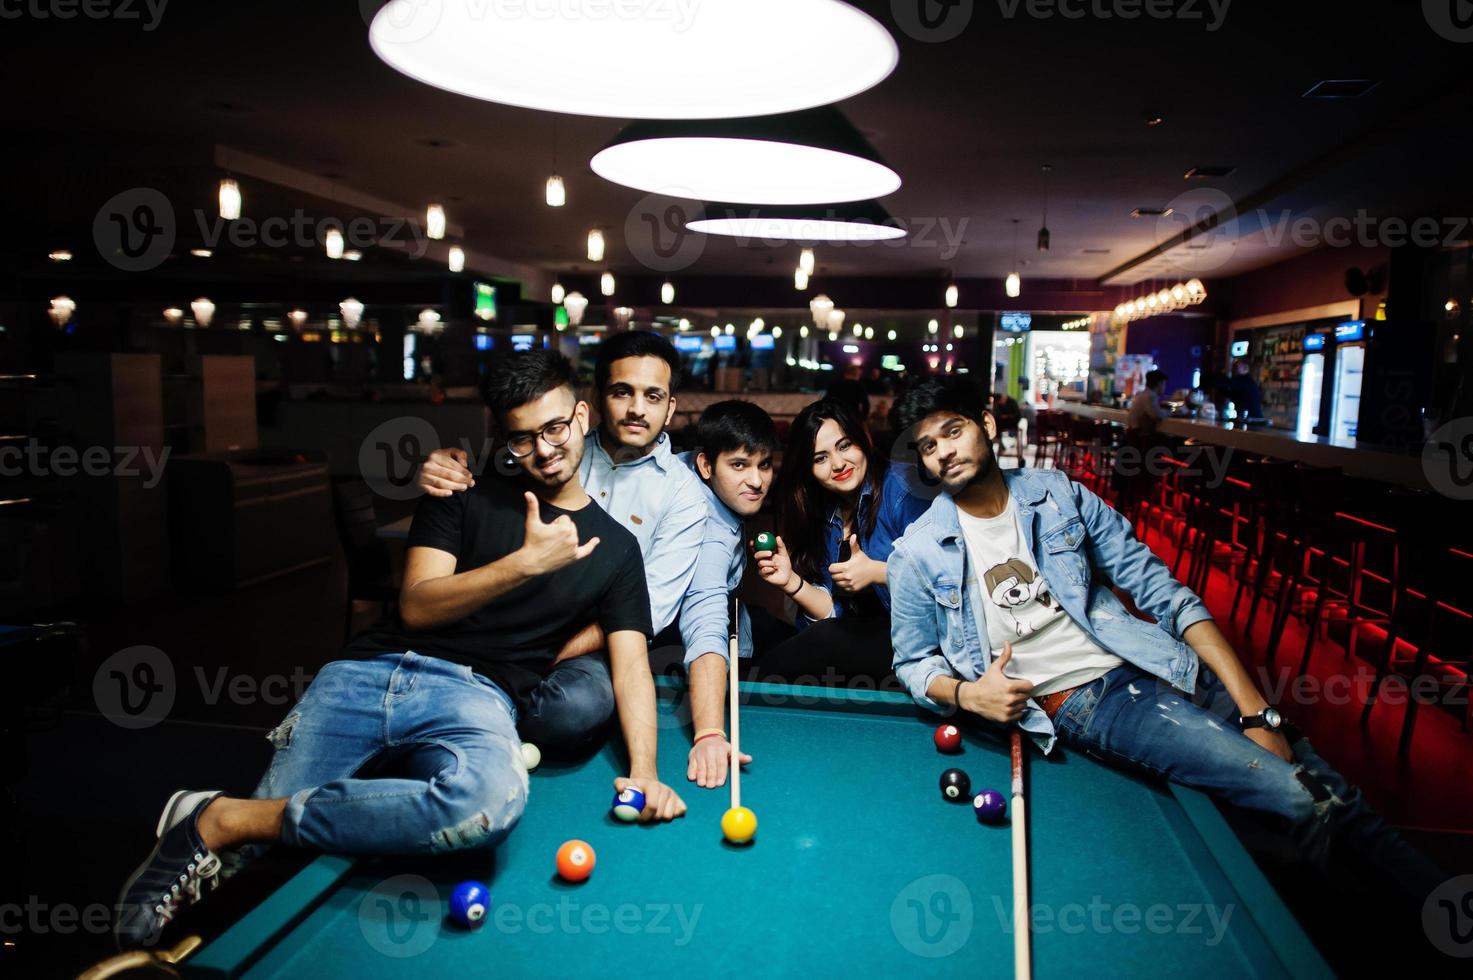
(98, 106)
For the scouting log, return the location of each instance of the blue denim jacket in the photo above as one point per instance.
(898, 507)
(1073, 534)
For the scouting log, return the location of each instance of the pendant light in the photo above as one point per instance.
(229, 200)
(606, 284)
(953, 296)
(435, 221)
(806, 261)
(667, 292)
(595, 245)
(332, 242)
(557, 194)
(800, 279)
(558, 294)
(457, 259)
(203, 310)
(859, 221)
(575, 303)
(1014, 284)
(1043, 233)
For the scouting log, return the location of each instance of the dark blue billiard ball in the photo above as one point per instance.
(991, 806)
(469, 903)
(628, 804)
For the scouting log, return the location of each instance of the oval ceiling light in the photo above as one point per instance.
(731, 57)
(810, 157)
(864, 221)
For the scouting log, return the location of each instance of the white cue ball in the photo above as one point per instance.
(531, 756)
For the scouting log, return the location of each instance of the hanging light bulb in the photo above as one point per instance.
(174, 316)
(730, 329)
(800, 280)
(558, 294)
(595, 246)
(61, 310)
(667, 292)
(1014, 285)
(805, 261)
(833, 335)
(1179, 295)
(777, 333)
(836, 320)
(435, 221)
(684, 324)
(757, 324)
(820, 306)
(890, 335)
(803, 331)
(957, 332)
(869, 333)
(858, 329)
(932, 327)
(1196, 292)
(352, 312)
(953, 295)
(1163, 299)
(457, 258)
(557, 194)
(333, 242)
(203, 310)
(297, 317)
(575, 303)
(229, 200)
(606, 284)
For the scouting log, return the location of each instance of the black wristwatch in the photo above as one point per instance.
(1268, 718)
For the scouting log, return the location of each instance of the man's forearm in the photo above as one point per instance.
(634, 693)
(433, 602)
(1214, 650)
(945, 690)
(586, 640)
(708, 692)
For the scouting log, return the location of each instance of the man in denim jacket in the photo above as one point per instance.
(999, 607)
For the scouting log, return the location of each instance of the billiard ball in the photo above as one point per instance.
(991, 806)
(469, 903)
(948, 738)
(531, 756)
(628, 804)
(766, 541)
(575, 860)
(739, 825)
(955, 784)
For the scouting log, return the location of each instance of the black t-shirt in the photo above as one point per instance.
(513, 639)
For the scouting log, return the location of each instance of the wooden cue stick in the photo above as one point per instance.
(1022, 960)
(736, 728)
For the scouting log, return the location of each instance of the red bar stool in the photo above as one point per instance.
(1268, 535)
(1052, 432)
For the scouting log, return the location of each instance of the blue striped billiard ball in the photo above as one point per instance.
(991, 806)
(628, 804)
(469, 903)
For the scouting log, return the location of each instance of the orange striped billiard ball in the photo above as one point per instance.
(575, 860)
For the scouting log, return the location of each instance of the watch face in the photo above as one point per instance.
(1272, 717)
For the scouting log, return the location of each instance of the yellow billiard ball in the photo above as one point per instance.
(739, 825)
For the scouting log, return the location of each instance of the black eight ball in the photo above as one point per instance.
(956, 785)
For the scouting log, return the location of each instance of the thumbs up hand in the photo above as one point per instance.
(996, 696)
(859, 572)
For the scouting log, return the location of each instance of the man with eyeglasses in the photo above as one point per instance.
(629, 471)
(408, 745)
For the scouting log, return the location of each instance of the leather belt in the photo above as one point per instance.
(1051, 703)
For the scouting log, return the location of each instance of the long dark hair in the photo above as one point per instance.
(803, 517)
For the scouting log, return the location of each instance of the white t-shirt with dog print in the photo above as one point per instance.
(1050, 650)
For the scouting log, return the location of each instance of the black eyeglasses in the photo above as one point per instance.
(555, 434)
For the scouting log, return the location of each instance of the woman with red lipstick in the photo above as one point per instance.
(841, 507)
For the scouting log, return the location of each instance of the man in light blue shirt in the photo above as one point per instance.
(735, 443)
(629, 471)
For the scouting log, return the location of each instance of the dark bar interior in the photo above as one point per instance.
(422, 421)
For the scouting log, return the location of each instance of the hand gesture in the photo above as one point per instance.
(445, 472)
(709, 759)
(996, 696)
(548, 547)
(660, 801)
(775, 567)
(859, 572)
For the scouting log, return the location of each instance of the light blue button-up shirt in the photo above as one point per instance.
(663, 504)
(705, 615)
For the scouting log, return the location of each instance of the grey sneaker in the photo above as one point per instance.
(174, 877)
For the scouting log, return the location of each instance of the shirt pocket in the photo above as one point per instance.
(1063, 548)
(949, 617)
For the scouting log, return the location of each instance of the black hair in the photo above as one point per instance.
(1153, 378)
(933, 395)
(804, 505)
(525, 377)
(735, 424)
(635, 343)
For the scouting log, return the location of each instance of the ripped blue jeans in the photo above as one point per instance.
(1134, 720)
(397, 755)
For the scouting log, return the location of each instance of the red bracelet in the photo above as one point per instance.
(702, 738)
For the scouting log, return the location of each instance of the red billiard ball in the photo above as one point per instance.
(948, 738)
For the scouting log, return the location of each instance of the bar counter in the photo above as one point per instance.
(1367, 462)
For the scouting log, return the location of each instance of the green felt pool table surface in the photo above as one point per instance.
(858, 865)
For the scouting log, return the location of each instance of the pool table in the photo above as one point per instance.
(859, 865)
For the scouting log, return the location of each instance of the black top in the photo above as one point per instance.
(1245, 395)
(513, 639)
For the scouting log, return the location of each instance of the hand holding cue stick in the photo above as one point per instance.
(1022, 961)
(736, 729)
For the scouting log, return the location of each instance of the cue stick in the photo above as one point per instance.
(1022, 967)
(736, 728)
